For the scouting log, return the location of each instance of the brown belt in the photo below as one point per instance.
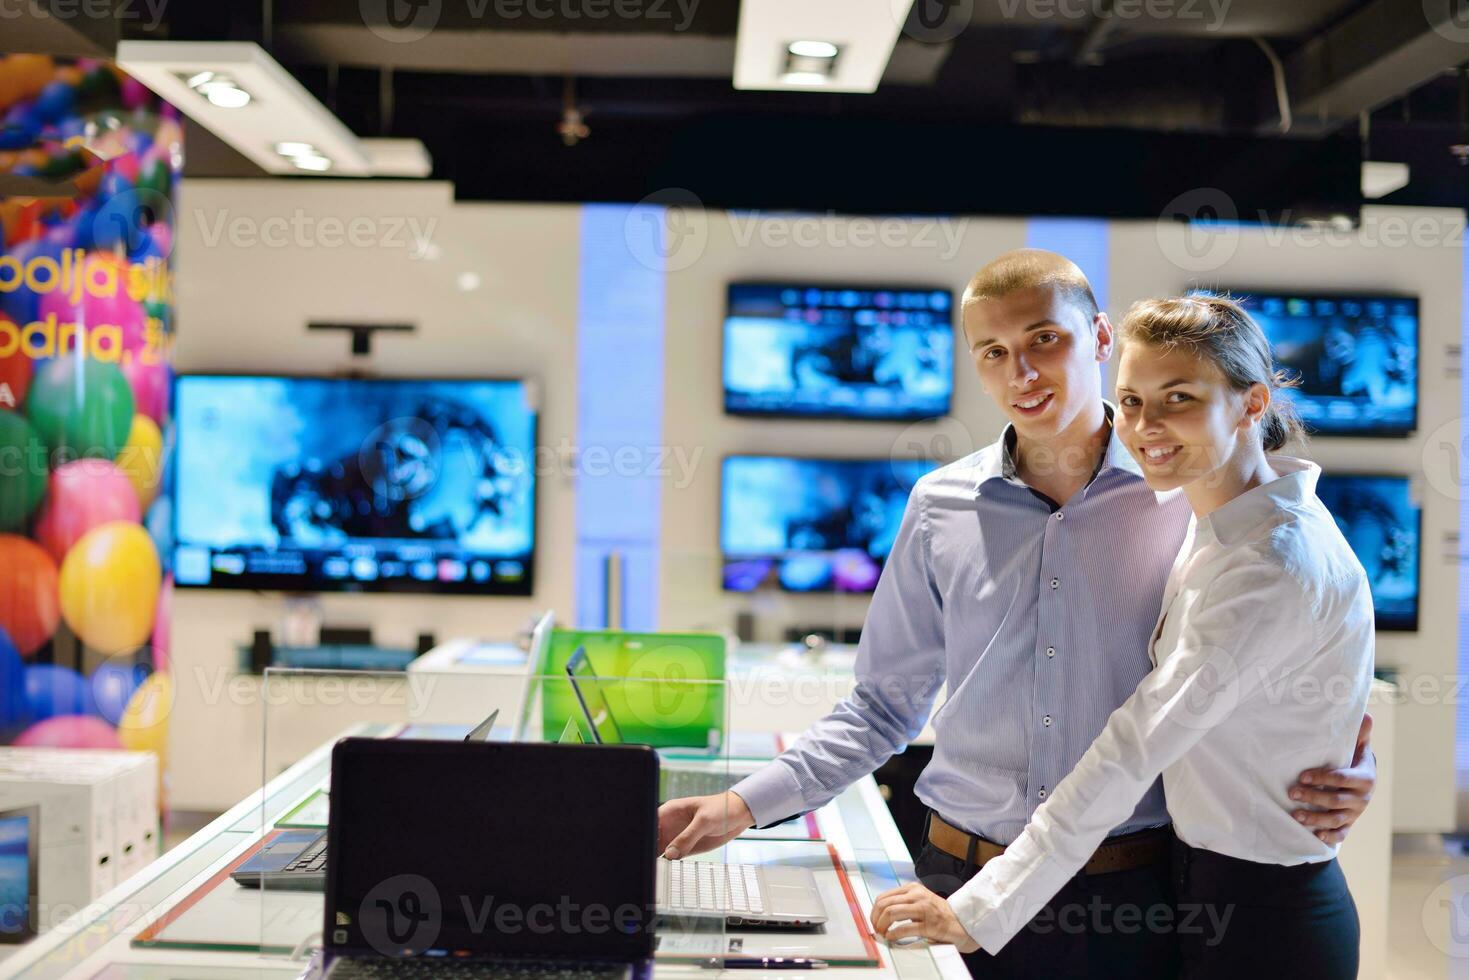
(1138, 850)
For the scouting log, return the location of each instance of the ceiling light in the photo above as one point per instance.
(314, 162)
(804, 78)
(294, 149)
(199, 78)
(812, 49)
(223, 93)
(1380, 179)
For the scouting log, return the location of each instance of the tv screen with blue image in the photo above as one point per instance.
(838, 352)
(811, 525)
(325, 484)
(19, 851)
(1383, 524)
(1356, 358)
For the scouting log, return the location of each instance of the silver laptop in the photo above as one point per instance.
(744, 894)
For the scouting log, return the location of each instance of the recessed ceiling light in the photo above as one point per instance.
(812, 49)
(194, 81)
(314, 162)
(222, 92)
(291, 148)
(804, 78)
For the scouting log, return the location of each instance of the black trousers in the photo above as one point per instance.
(1255, 920)
(1117, 925)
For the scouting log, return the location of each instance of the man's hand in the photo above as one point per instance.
(1341, 794)
(696, 824)
(913, 910)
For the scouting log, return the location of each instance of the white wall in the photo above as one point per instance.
(244, 307)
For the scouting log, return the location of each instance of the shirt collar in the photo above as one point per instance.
(1295, 485)
(998, 463)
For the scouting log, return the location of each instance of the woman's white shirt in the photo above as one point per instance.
(1262, 664)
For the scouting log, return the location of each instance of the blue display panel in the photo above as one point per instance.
(811, 525)
(19, 851)
(835, 352)
(364, 485)
(1383, 524)
(1356, 358)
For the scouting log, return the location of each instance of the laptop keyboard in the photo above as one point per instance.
(678, 783)
(313, 858)
(708, 886)
(363, 968)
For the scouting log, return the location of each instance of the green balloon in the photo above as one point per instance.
(81, 407)
(22, 470)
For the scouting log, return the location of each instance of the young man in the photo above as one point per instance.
(1028, 576)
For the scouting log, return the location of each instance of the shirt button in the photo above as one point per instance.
(1041, 794)
(1060, 515)
(1046, 721)
(1050, 651)
(1055, 583)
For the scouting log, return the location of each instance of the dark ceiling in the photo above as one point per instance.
(1003, 106)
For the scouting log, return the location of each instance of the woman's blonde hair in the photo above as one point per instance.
(1218, 329)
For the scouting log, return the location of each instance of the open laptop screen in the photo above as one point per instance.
(492, 848)
(592, 699)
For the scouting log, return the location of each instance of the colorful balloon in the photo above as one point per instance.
(144, 725)
(113, 686)
(13, 706)
(109, 587)
(142, 459)
(81, 407)
(70, 732)
(163, 625)
(151, 384)
(22, 469)
(83, 494)
(52, 690)
(29, 606)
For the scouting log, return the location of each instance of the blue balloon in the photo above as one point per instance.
(20, 304)
(52, 690)
(14, 709)
(55, 101)
(113, 686)
(112, 185)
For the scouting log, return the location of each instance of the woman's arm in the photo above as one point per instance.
(1234, 636)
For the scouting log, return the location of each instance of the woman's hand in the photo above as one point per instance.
(913, 910)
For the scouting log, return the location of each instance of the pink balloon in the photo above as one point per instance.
(135, 94)
(119, 310)
(81, 495)
(128, 166)
(162, 621)
(70, 732)
(151, 384)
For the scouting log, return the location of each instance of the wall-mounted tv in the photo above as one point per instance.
(322, 484)
(811, 525)
(838, 352)
(1383, 524)
(1356, 358)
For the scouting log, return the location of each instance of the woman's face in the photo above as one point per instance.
(1178, 415)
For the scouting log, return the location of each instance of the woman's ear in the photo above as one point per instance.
(1256, 403)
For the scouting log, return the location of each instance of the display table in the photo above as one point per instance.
(109, 939)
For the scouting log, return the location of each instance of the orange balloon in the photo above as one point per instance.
(29, 609)
(109, 587)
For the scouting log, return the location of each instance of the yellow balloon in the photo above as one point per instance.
(141, 459)
(144, 723)
(109, 587)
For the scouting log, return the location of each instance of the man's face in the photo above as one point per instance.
(1037, 356)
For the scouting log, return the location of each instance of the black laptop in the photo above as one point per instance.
(503, 860)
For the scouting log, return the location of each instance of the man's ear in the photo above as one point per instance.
(1106, 336)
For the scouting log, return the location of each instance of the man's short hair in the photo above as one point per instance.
(1026, 268)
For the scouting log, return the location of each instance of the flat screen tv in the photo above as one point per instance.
(1356, 358)
(322, 484)
(811, 525)
(1383, 524)
(838, 352)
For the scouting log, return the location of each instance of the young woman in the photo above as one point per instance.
(1263, 660)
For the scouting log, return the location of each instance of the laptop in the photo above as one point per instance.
(490, 859)
(744, 894)
(673, 783)
(295, 860)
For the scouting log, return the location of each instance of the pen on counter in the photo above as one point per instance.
(763, 963)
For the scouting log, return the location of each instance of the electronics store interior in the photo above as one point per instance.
(415, 414)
